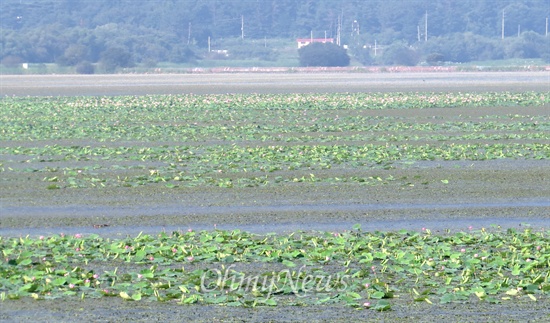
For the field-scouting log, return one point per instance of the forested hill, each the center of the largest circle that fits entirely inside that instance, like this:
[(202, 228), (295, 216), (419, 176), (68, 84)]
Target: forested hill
[(171, 30)]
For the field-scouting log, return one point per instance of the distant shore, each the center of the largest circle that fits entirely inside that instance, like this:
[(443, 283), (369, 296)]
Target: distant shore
[(258, 81)]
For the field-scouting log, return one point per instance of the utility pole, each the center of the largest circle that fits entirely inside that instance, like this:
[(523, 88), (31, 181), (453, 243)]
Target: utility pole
[(426, 28), (311, 37), (502, 27), (355, 28), (209, 44), (338, 30), (418, 32), (189, 34), (242, 27)]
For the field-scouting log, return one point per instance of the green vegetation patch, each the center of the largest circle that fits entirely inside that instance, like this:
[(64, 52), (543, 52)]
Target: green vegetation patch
[(234, 268), (256, 139), (228, 117)]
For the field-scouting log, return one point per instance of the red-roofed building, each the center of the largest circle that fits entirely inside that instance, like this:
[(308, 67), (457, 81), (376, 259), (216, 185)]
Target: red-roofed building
[(306, 41)]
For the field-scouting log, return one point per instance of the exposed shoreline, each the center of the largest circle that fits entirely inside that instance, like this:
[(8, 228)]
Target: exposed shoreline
[(221, 83)]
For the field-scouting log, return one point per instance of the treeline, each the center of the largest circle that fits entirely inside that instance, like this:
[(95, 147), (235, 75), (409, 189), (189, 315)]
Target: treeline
[(125, 32)]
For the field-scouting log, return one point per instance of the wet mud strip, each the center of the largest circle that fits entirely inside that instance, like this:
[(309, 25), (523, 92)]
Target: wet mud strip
[(139, 84)]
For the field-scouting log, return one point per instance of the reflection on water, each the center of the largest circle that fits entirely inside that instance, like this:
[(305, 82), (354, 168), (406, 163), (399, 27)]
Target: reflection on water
[(536, 220)]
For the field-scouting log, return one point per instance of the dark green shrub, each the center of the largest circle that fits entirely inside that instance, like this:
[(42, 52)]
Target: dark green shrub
[(323, 54), (85, 68)]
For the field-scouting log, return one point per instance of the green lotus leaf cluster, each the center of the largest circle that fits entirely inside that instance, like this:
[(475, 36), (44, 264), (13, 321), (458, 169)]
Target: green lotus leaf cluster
[(249, 140), (239, 268)]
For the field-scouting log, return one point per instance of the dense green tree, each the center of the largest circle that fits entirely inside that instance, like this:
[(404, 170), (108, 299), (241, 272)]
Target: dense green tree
[(12, 61), (53, 30), (529, 45), (73, 55), (435, 59), (364, 57), (114, 57), (323, 54), (85, 68), (181, 54), (400, 54), (464, 47), (360, 51)]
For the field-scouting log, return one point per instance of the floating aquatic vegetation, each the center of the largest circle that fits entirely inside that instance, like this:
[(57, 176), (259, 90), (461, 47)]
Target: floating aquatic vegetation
[(236, 268)]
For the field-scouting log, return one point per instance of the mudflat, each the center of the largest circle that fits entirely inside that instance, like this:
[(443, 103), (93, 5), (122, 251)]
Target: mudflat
[(147, 84), (434, 194)]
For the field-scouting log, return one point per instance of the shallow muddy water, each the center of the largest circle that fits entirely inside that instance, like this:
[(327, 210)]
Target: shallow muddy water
[(538, 218)]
